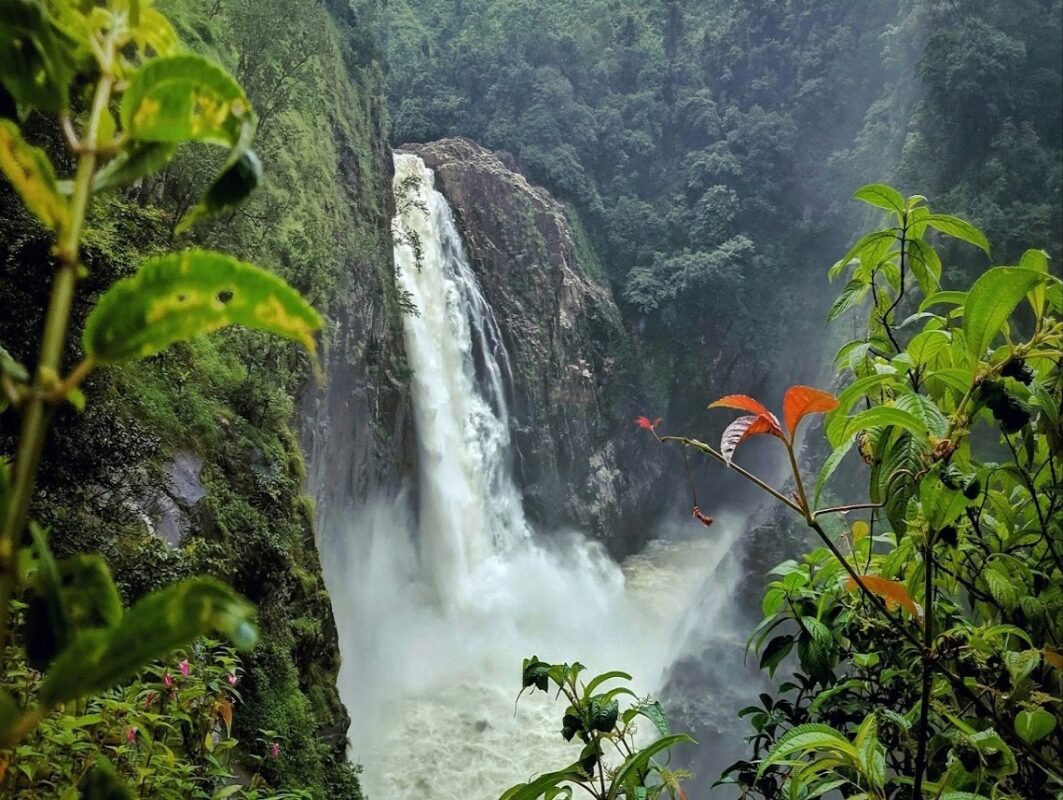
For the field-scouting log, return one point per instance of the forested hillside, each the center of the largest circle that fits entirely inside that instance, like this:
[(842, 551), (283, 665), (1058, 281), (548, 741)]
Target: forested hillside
[(709, 147)]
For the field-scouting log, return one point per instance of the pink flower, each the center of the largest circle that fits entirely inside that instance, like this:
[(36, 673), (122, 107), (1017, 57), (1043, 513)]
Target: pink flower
[(184, 667), (167, 679), (274, 750), (131, 733), (232, 679)]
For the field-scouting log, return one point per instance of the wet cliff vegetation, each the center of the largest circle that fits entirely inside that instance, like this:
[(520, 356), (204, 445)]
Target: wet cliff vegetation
[(189, 462)]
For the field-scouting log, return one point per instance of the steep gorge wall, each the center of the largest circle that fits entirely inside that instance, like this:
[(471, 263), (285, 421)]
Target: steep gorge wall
[(190, 462), (574, 394)]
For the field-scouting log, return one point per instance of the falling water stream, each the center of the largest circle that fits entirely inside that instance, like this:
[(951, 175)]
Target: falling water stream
[(437, 606)]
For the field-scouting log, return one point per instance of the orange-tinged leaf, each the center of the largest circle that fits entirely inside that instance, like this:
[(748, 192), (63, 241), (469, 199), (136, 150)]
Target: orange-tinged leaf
[(743, 403), (802, 400), (225, 711), (744, 428), (1053, 658), (893, 592)]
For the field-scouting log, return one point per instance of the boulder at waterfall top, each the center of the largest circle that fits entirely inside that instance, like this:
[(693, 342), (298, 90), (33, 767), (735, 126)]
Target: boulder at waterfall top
[(564, 334)]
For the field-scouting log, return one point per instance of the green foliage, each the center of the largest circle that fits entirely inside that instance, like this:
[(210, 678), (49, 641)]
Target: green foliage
[(957, 696), (595, 719), (75, 628), (169, 733)]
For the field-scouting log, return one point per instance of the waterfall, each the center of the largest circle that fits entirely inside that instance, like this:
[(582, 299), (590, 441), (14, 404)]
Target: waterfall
[(435, 610)]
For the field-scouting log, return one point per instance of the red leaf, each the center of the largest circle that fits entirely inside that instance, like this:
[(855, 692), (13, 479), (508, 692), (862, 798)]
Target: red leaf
[(743, 403), (742, 429), (701, 516), (802, 400), (644, 422), (894, 592)]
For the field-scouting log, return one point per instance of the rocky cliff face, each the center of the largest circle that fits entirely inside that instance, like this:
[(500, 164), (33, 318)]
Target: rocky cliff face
[(564, 334)]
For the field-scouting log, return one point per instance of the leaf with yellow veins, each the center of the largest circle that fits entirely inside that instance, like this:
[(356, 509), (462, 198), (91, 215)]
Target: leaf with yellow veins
[(181, 98), (32, 175), (176, 296)]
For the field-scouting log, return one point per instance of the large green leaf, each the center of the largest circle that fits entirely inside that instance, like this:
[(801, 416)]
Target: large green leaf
[(804, 739), (871, 240), (1032, 726), (830, 465), (31, 173), (605, 676), (543, 784), (958, 229), (885, 416), (159, 623), (179, 295), (638, 762), (925, 265), (881, 196), (185, 98), (991, 301)]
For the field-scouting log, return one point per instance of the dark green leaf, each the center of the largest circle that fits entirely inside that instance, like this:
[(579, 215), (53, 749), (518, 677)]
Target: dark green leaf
[(136, 160), (103, 783), (34, 65), (154, 627), (230, 188)]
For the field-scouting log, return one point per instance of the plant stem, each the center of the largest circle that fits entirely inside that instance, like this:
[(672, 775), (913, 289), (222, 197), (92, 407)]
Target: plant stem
[(698, 445), (34, 421), (928, 640)]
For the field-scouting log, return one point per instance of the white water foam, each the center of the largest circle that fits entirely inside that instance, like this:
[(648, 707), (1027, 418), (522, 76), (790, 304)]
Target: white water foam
[(436, 610)]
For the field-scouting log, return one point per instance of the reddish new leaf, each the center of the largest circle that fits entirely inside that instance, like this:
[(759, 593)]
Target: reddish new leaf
[(644, 422), (701, 517), (802, 400), (892, 591), (743, 428), (742, 402)]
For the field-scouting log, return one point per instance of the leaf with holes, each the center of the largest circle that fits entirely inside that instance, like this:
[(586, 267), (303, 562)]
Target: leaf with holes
[(803, 400), (179, 295), (185, 98)]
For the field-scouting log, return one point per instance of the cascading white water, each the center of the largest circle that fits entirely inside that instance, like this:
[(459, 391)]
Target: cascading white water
[(434, 617)]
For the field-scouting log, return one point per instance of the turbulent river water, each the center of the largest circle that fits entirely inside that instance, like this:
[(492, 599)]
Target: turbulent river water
[(437, 605)]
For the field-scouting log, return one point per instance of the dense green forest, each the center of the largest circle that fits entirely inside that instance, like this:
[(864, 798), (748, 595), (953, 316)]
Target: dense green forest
[(206, 380), (710, 148)]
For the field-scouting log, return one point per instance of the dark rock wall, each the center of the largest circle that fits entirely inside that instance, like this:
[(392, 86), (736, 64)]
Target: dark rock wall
[(573, 401)]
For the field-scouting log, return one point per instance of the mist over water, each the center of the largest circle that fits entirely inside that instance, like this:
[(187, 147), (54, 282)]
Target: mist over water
[(436, 607)]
